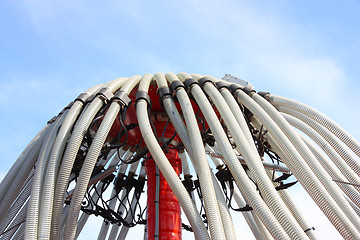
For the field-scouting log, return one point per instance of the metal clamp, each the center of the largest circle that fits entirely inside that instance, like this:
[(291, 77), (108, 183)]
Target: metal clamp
[(83, 97), (189, 83), (105, 94), (176, 84), (122, 97), (222, 84), (143, 95), (234, 87), (204, 80)]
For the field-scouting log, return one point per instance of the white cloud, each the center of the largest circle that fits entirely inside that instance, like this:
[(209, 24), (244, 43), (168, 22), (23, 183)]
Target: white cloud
[(267, 47)]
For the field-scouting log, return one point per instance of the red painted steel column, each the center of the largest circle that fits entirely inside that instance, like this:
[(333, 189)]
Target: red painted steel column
[(170, 225)]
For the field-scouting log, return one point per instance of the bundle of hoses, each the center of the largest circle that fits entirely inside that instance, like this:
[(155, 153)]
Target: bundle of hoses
[(34, 192)]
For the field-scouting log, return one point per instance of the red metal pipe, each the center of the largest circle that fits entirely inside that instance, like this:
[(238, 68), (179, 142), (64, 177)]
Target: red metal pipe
[(169, 208), (170, 225)]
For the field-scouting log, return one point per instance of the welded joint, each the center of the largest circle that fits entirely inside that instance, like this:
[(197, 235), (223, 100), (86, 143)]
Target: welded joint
[(105, 94), (122, 97)]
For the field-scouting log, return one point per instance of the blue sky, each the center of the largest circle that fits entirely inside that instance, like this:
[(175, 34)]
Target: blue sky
[(50, 51)]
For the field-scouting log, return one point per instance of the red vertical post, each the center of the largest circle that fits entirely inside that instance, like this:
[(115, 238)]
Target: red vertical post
[(170, 225)]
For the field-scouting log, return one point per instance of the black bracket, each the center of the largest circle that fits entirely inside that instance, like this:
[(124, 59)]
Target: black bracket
[(283, 186)]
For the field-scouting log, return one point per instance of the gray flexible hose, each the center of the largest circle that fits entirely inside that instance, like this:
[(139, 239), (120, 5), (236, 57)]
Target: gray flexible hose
[(124, 230), (208, 192), (303, 173), (236, 169), (15, 186), (20, 233), (112, 203), (115, 227), (308, 156), (90, 160), (324, 161), (253, 161), (296, 212), (18, 203), (15, 168), (339, 147), (18, 222), (167, 170), (68, 160), (33, 221), (320, 118), (334, 173)]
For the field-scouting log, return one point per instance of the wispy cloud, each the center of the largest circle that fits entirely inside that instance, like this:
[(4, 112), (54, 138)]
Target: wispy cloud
[(86, 43)]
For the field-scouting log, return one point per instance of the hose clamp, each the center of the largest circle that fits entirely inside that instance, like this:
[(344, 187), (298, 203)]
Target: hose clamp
[(144, 96), (91, 98), (234, 87), (204, 80), (105, 94), (164, 92), (83, 97), (248, 90), (68, 106), (52, 120), (122, 97), (176, 84), (222, 84), (189, 84)]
